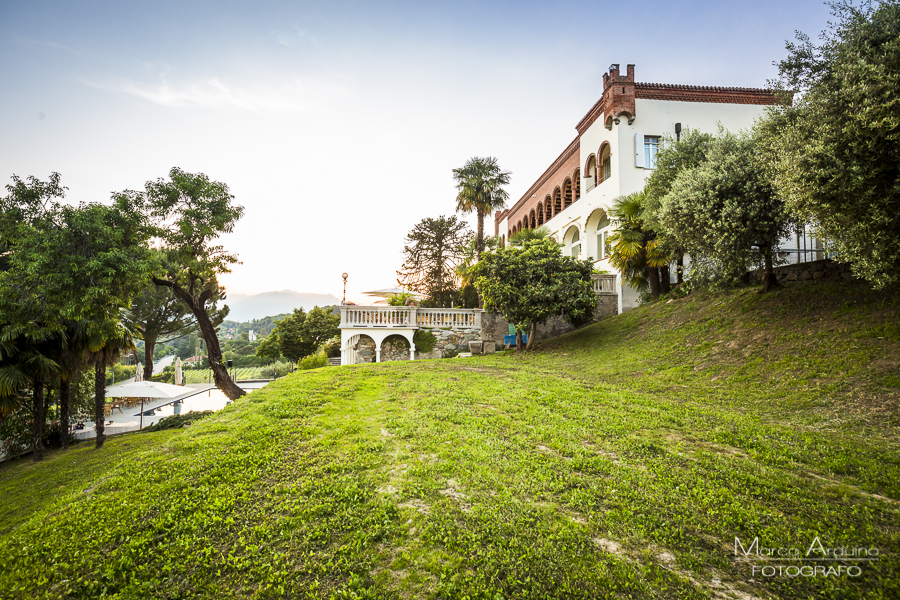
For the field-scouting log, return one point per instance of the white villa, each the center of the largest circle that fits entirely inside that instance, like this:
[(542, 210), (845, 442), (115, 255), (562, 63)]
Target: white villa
[(614, 153)]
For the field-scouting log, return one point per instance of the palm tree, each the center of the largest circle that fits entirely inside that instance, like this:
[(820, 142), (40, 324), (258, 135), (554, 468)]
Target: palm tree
[(635, 250), (105, 350), (479, 184), (519, 238)]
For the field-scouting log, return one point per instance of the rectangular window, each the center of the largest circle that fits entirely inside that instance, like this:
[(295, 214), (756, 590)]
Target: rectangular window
[(651, 148)]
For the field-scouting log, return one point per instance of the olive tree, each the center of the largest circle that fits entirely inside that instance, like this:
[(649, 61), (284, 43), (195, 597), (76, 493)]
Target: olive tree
[(835, 152), (725, 212)]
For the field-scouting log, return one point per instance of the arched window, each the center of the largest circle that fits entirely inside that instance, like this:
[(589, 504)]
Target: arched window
[(577, 178), (604, 230), (605, 163), (533, 219), (540, 214), (548, 207), (567, 194), (590, 173), (557, 202), (573, 241)]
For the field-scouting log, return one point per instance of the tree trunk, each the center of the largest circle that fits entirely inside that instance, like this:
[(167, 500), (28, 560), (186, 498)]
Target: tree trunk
[(38, 430), (531, 336), (100, 403), (149, 346), (679, 270), (769, 279), (653, 278), (518, 339), (665, 285), (479, 241), (65, 396), (213, 350)]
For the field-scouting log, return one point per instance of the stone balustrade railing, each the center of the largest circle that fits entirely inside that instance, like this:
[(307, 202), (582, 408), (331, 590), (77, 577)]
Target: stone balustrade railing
[(604, 284), (409, 317)]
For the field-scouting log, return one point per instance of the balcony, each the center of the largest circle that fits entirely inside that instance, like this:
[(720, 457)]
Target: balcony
[(408, 317)]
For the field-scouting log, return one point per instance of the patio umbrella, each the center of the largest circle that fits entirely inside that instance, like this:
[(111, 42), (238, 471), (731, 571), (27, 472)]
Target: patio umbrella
[(145, 389), (388, 292), (179, 378)]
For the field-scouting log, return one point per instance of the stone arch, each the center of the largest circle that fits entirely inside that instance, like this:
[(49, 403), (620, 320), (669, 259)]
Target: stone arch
[(360, 348), (557, 202), (567, 193), (395, 347)]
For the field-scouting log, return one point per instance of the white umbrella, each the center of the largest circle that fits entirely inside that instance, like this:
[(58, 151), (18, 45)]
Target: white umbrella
[(179, 379), (388, 292), (145, 389)]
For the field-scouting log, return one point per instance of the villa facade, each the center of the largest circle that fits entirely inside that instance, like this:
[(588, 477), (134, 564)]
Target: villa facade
[(614, 153)]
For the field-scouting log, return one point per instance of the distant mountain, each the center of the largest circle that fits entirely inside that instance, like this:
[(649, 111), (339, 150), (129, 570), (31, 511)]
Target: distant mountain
[(245, 307)]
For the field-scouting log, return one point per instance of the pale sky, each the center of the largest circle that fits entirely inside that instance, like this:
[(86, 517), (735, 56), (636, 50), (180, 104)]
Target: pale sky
[(337, 124)]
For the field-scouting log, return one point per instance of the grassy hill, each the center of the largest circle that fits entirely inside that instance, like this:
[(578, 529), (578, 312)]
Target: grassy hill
[(621, 460)]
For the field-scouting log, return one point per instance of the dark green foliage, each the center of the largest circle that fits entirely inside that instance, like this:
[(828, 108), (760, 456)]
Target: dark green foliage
[(424, 340), (835, 153), (533, 282), (724, 212), (178, 421)]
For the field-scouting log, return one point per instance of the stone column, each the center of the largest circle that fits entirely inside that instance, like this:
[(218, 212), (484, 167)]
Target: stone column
[(412, 351), (377, 354)]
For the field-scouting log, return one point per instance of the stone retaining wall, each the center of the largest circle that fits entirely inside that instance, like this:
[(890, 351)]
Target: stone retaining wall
[(494, 327), (809, 271)]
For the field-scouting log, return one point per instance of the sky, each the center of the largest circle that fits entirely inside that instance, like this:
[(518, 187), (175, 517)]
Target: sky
[(337, 125)]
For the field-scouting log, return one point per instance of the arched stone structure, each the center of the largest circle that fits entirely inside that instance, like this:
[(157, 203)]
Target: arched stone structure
[(395, 347), (355, 347)]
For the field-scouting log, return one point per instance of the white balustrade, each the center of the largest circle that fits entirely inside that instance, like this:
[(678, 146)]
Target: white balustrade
[(604, 283), (409, 317)]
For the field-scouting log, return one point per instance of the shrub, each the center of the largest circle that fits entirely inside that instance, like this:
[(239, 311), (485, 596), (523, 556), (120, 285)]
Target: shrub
[(332, 348), (424, 340), (313, 362), (178, 421)]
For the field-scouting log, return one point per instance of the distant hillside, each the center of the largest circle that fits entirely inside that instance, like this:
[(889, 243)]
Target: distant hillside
[(245, 307)]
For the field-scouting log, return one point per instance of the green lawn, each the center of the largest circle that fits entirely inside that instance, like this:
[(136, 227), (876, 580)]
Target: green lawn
[(619, 461)]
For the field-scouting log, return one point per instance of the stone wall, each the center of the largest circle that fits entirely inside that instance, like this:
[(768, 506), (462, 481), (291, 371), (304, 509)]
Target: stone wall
[(450, 341), (395, 347), (809, 271), (365, 350), (494, 327)]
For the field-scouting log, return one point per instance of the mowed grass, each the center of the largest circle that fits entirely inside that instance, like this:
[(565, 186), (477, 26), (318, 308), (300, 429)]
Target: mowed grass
[(619, 461)]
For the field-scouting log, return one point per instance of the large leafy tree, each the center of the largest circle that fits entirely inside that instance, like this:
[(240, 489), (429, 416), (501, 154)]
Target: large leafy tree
[(835, 152), (433, 250), (530, 283), (726, 213), (194, 211), (675, 157), (479, 185), (67, 273), (300, 334), (157, 314)]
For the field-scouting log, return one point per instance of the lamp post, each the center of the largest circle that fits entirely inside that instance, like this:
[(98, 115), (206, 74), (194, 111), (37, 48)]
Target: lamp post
[(344, 301)]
